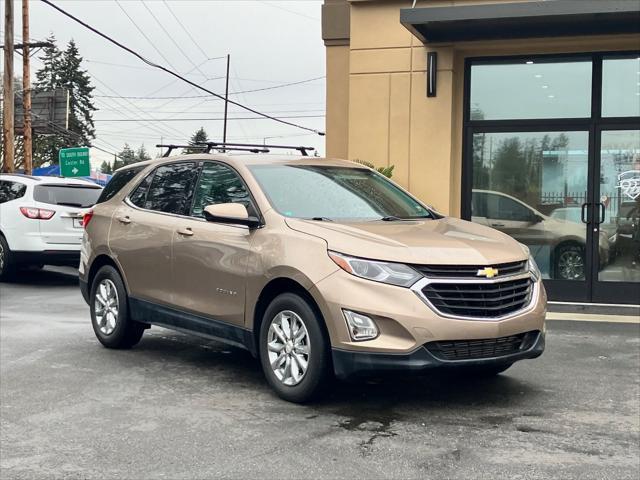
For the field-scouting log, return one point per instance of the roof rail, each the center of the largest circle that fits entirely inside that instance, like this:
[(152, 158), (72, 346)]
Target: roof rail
[(225, 146), (206, 148)]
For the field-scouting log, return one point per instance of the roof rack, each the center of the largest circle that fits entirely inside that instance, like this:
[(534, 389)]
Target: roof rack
[(206, 148), (225, 146), (243, 147)]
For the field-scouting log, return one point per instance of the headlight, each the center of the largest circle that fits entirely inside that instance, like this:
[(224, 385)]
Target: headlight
[(533, 268), (385, 272)]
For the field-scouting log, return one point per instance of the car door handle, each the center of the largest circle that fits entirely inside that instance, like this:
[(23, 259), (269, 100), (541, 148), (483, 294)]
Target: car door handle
[(187, 232), (497, 224), (126, 220)]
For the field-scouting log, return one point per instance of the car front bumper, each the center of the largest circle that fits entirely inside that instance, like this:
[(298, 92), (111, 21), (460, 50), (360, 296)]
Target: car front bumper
[(406, 323), (350, 364)]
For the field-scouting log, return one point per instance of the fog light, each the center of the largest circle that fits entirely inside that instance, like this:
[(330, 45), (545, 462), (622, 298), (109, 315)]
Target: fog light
[(360, 326)]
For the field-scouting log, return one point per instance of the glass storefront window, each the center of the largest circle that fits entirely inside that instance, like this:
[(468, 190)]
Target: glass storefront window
[(528, 89), (531, 185), (621, 87), (619, 236)]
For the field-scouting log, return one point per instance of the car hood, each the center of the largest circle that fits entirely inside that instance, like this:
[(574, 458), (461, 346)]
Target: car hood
[(442, 241)]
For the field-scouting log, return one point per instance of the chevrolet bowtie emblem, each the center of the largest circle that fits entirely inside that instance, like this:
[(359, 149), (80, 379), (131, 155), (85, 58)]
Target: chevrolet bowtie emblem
[(488, 272)]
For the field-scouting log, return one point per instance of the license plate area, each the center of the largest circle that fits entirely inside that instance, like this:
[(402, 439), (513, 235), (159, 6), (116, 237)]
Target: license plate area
[(77, 222)]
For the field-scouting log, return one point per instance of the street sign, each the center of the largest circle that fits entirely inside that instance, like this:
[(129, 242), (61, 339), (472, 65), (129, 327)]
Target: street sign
[(74, 162), (49, 112)]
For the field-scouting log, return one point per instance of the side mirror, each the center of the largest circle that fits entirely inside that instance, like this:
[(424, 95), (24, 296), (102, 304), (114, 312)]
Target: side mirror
[(232, 213), (535, 218)]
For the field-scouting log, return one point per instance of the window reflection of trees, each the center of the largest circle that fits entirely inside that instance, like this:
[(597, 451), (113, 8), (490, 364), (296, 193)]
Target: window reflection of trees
[(170, 188)]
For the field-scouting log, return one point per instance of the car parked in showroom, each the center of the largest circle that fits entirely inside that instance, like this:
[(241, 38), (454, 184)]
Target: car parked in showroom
[(41, 220), (318, 267)]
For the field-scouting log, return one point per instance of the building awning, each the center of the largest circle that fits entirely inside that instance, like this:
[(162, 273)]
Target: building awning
[(551, 18)]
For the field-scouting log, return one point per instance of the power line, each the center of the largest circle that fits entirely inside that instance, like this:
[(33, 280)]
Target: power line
[(173, 73), (230, 93), (134, 24), (184, 28), (262, 117), (290, 11), (153, 15)]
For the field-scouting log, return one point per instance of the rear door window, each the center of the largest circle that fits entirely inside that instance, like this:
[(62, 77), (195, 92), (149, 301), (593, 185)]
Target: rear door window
[(118, 182), (11, 190), (171, 188), (71, 195)]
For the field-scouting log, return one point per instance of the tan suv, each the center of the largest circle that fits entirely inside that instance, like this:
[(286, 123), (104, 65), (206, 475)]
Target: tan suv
[(318, 267)]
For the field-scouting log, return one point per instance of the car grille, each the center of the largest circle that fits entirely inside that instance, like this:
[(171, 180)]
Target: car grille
[(469, 271), (483, 348), (479, 300)]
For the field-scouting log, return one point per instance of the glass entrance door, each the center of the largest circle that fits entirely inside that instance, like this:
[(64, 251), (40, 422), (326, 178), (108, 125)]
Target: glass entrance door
[(552, 158), (616, 223)]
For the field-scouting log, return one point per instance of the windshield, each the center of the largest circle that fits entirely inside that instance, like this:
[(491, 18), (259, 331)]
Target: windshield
[(330, 193), (70, 195)]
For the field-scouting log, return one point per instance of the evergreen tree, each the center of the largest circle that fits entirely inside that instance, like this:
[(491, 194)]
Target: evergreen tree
[(64, 70), (106, 167), (200, 136), (126, 157), (142, 155)]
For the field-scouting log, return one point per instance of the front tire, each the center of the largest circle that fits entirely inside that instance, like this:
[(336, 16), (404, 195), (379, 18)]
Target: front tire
[(109, 308), (294, 349)]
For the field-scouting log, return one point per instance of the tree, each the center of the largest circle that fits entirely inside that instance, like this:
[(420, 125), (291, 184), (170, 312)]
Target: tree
[(142, 155), (126, 157), (200, 136), (106, 167), (64, 70)]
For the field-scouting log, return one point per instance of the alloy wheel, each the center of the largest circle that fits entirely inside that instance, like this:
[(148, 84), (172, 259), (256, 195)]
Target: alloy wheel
[(288, 347), (571, 265), (106, 306)]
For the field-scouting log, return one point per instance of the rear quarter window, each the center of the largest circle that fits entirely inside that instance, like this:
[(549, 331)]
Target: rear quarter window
[(118, 182), (11, 190), (71, 195)]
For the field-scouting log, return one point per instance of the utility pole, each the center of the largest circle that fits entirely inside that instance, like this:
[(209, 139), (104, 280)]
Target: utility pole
[(7, 90), (226, 103), (26, 91)]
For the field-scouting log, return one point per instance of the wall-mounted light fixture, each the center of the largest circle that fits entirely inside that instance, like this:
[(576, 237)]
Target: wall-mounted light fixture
[(432, 72)]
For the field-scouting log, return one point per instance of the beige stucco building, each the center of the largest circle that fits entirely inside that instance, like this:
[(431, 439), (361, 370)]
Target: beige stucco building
[(378, 108)]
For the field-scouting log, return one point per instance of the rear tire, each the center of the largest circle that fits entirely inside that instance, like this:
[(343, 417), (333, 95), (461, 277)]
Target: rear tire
[(7, 267), (109, 308), (569, 262), (294, 349)]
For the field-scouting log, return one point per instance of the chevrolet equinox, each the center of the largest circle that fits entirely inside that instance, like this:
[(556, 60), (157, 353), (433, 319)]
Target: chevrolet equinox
[(318, 267)]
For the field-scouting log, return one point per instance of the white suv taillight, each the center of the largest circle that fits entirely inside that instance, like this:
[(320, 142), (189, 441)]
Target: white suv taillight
[(37, 213)]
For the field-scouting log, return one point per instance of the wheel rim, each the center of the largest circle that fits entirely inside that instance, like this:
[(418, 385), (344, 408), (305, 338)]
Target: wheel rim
[(106, 306), (288, 347), (571, 266)]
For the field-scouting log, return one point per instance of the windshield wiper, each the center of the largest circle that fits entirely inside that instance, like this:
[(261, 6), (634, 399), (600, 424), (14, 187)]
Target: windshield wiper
[(69, 204), (321, 219), (393, 218)]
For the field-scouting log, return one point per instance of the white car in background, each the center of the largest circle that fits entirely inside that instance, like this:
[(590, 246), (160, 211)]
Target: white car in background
[(41, 220)]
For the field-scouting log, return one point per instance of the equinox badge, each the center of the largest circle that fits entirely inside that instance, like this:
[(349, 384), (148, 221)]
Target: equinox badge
[(488, 272)]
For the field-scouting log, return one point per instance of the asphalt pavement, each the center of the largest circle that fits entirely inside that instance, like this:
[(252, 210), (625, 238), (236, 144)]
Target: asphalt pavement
[(178, 406)]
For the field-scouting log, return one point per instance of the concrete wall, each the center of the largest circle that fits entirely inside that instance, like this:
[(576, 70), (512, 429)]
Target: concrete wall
[(377, 108)]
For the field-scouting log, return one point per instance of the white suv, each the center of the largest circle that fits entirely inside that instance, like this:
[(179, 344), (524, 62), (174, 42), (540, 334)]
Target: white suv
[(41, 220)]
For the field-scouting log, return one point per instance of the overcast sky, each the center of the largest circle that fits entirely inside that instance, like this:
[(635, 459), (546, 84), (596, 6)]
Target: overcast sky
[(270, 43)]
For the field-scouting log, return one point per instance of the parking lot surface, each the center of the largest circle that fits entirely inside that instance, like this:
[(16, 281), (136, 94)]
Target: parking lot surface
[(178, 406)]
